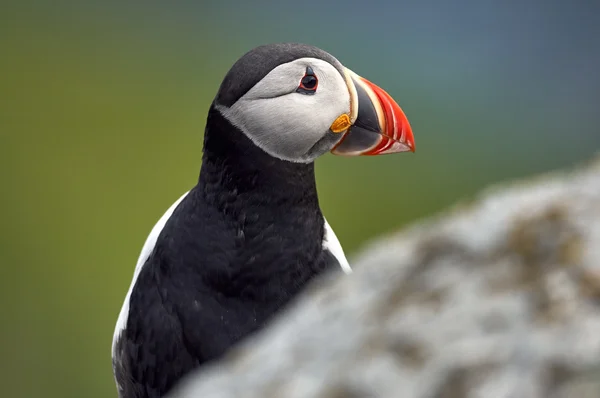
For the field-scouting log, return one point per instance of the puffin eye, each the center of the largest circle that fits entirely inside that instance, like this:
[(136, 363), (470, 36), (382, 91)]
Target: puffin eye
[(309, 83)]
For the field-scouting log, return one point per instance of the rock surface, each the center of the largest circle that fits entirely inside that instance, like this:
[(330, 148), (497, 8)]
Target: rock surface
[(497, 298)]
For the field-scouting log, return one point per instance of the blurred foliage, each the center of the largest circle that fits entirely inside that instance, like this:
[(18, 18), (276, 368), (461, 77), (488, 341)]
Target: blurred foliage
[(102, 111)]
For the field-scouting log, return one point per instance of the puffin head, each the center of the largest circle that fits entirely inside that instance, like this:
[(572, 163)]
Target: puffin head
[(297, 102)]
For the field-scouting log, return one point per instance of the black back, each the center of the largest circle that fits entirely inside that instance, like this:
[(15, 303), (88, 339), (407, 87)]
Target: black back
[(242, 243)]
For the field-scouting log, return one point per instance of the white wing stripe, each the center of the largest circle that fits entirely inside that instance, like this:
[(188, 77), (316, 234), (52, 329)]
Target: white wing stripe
[(331, 243), (146, 251)]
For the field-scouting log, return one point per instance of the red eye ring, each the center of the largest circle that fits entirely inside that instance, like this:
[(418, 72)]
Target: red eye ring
[(309, 82)]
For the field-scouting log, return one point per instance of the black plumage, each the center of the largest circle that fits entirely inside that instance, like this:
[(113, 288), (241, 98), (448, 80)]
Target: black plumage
[(240, 245)]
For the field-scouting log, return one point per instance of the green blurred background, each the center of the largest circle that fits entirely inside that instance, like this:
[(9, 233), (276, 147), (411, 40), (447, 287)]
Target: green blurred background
[(103, 105)]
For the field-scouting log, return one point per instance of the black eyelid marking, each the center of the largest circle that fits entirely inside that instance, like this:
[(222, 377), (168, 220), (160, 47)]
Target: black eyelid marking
[(309, 71), (272, 97), (304, 91)]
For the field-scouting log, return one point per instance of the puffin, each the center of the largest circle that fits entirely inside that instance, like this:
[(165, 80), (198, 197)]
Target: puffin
[(242, 243)]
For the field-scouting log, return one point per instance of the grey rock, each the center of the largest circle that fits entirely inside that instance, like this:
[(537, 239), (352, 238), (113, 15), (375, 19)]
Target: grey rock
[(498, 298)]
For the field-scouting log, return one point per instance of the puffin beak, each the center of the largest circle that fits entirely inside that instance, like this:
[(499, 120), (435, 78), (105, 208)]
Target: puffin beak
[(376, 124)]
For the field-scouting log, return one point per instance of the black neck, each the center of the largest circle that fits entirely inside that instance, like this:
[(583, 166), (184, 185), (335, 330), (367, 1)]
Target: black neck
[(259, 206), (235, 251), (233, 162)]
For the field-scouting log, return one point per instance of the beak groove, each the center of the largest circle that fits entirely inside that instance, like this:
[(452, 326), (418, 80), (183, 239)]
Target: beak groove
[(380, 126)]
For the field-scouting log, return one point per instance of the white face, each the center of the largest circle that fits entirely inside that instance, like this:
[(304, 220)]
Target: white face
[(288, 124)]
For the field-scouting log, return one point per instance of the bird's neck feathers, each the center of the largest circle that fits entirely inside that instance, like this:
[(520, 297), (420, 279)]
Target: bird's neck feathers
[(234, 163)]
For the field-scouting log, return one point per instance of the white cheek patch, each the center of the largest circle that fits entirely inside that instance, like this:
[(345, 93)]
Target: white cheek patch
[(287, 124)]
